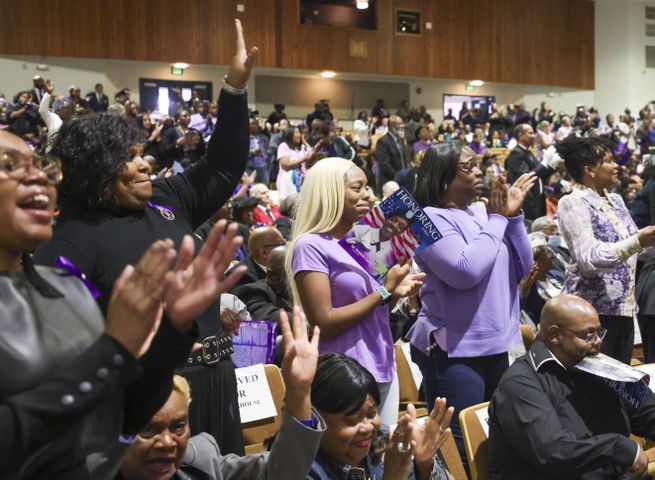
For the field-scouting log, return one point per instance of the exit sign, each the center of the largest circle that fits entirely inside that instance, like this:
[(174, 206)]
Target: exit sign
[(469, 87), (177, 71)]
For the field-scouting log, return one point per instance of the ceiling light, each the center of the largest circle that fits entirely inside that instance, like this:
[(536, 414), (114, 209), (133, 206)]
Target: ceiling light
[(362, 4), (328, 74), (181, 65), (476, 83)]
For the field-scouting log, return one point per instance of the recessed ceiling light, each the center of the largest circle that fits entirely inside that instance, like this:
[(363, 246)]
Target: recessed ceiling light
[(328, 74), (476, 83), (181, 65), (362, 4)]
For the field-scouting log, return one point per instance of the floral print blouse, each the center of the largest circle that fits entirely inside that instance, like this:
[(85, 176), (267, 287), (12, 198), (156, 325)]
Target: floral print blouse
[(603, 241)]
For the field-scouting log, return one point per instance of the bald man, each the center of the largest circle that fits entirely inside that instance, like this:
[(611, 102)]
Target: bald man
[(260, 243), (264, 298), (548, 421), (265, 213)]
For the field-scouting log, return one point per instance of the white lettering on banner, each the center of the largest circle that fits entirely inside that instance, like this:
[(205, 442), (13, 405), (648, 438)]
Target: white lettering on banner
[(254, 394)]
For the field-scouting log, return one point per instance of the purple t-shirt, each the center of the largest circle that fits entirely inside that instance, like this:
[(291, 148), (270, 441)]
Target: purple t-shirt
[(370, 341)]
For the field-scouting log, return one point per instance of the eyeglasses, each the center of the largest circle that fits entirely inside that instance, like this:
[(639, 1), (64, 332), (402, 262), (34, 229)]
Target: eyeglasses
[(467, 167), (16, 166), (590, 336)]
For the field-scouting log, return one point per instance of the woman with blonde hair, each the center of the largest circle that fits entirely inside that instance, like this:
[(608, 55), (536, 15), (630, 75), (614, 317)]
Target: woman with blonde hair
[(336, 293)]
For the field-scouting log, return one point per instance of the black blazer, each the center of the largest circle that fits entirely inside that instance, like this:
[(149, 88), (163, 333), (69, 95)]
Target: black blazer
[(95, 105), (521, 161), (390, 159), (262, 302), (253, 273)]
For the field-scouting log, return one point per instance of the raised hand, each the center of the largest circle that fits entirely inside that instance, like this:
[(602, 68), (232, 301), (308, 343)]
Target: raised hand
[(400, 282), (135, 305), (299, 362), (527, 282), (498, 198), (48, 85), (242, 61), (195, 283), (399, 449), (518, 191), (430, 436)]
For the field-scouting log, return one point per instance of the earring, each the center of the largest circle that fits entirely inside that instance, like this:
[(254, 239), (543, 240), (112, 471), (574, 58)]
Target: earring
[(445, 187)]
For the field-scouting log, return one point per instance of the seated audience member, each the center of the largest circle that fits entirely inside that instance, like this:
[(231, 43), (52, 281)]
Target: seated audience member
[(547, 420), (243, 211), (287, 215), (356, 442), (200, 120), (24, 117), (260, 244), (266, 212), (266, 297), (543, 282), (550, 229), (160, 450)]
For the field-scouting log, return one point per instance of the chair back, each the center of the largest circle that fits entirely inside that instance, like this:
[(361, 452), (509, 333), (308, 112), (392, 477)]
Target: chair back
[(254, 433), (475, 441), (528, 336), (407, 386), (452, 459)]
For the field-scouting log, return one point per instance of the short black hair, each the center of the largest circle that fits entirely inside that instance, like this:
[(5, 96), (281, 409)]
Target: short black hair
[(438, 168), (93, 151), (579, 153), (341, 385)]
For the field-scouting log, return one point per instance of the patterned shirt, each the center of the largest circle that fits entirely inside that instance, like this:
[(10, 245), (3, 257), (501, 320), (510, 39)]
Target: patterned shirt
[(603, 241)]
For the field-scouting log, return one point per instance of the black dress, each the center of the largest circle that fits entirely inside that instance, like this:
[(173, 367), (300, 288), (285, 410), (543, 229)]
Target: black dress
[(102, 242)]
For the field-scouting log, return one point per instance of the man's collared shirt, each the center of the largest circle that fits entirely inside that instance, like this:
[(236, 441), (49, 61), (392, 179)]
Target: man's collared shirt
[(547, 422)]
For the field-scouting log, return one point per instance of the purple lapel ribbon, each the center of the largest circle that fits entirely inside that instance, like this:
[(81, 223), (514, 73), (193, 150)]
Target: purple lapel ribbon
[(160, 207), (66, 264)]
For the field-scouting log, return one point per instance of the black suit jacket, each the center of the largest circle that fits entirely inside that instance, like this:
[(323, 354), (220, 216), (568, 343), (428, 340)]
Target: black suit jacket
[(262, 302), (253, 273), (390, 159), (95, 105), (521, 161)]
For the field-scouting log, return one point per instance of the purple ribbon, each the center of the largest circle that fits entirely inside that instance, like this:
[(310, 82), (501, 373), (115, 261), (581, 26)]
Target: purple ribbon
[(66, 264), (160, 207)]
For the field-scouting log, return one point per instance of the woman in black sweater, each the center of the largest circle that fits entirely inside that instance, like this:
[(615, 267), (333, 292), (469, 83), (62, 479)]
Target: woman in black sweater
[(111, 212)]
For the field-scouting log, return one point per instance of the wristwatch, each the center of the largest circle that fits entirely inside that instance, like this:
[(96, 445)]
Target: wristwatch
[(385, 294)]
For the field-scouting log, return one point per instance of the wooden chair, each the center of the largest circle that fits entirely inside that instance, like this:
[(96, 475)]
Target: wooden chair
[(452, 459), (528, 336), (475, 442), (408, 390), (255, 433)]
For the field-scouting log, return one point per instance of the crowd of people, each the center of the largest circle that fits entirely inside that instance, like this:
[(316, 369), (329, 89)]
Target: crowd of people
[(117, 336)]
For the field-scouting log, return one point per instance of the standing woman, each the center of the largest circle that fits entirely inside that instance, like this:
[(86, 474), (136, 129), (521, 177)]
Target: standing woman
[(111, 212), (72, 382), (470, 313), (292, 153), (336, 293), (603, 240)]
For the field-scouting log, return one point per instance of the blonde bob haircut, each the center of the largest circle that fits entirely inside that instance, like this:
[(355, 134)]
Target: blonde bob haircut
[(320, 206), (182, 386)]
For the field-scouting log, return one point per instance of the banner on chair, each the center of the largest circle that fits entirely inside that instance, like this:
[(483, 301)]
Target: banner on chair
[(255, 343), (255, 399)]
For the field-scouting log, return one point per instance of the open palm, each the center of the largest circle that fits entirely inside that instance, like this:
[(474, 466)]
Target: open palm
[(195, 283)]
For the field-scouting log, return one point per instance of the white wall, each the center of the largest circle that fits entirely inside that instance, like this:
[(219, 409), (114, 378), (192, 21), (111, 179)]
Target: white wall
[(622, 79)]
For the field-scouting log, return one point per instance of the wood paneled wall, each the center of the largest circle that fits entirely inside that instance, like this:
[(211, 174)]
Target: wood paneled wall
[(545, 42)]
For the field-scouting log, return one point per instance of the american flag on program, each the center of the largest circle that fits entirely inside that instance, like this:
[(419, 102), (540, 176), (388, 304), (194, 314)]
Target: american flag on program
[(404, 244)]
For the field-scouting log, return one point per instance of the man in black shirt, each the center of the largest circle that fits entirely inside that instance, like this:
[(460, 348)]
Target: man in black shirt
[(547, 420)]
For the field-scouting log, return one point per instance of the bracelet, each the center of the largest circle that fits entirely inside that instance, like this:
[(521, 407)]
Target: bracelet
[(232, 90)]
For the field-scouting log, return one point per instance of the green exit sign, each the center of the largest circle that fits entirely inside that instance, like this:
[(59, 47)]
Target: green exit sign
[(177, 71), (469, 87)]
